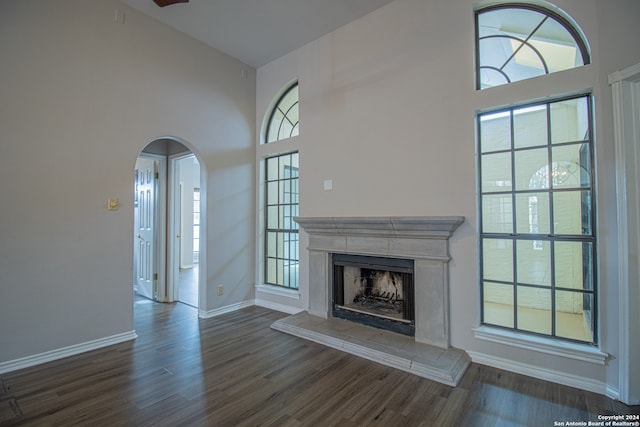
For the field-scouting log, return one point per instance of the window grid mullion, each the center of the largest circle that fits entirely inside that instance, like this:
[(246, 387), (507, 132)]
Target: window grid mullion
[(284, 258), (551, 237), (273, 120), (514, 216), (479, 191), (552, 244), (525, 42), (489, 64), (592, 197)]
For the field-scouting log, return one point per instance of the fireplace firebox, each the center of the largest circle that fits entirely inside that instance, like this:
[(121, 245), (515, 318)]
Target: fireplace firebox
[(376, 291)]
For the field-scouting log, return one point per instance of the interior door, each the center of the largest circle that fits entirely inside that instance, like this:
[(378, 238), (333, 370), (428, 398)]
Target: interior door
[(144, 229)]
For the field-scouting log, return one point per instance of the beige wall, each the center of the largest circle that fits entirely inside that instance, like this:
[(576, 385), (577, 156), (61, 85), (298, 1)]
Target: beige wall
[(81, 95), (387, 107)]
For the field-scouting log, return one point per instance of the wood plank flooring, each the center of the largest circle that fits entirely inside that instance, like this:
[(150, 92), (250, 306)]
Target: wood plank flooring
[(233, 370)]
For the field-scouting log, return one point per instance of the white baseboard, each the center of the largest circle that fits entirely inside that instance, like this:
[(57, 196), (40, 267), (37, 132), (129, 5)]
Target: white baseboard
[(277, 307), (238, 306), (226, 309), (293, 294), (563, 378), (614, 393), (61, 353)]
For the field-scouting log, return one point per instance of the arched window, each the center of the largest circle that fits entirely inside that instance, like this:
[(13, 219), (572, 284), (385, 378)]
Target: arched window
[(519, 41), (281, 170), (283, 121)]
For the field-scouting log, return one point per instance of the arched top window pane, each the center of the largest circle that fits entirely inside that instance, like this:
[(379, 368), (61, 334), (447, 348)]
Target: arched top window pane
[(283, 122), (518, 41)]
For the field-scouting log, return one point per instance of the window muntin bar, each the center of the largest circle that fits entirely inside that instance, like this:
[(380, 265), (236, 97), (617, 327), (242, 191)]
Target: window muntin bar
[(284, 120), (537, 219), (518, 41), (281, 234)]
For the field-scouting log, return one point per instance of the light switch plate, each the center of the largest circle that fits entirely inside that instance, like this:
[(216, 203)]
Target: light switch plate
[(113, 204)]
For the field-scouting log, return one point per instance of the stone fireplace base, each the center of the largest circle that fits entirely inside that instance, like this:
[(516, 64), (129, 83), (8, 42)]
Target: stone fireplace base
[(398, 351), (425, 241)]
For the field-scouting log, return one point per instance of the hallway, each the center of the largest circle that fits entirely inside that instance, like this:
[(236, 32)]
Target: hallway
[(188, 285)]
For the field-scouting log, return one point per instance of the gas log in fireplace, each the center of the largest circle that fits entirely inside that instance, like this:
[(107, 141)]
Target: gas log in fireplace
[(376, 291)]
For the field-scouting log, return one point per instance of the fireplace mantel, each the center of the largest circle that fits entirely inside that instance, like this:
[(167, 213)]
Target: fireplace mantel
[(433, 227), (422, 239)]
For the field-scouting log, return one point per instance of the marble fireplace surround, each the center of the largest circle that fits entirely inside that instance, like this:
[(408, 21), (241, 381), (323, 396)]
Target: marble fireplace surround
[(425, 240)]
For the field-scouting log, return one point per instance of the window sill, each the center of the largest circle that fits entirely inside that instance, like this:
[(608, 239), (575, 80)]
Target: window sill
[(569, 350), (279, 291)]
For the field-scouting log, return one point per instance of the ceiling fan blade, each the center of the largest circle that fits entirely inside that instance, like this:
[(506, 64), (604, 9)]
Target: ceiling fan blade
[(163, 3)]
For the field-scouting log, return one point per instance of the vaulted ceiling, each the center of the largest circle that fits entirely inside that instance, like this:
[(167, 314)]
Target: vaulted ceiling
[(257, 31)]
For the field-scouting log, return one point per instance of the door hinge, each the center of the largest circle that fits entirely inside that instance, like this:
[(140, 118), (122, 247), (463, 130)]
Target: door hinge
[(155, 276), (157, 175)]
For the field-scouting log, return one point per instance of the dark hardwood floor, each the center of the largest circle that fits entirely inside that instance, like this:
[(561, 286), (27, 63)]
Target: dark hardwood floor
[(233, 370)]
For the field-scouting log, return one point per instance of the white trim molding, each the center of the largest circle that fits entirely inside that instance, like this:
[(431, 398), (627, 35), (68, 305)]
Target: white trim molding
[(279, 291), (625, 87), (632, 74), (293, 295), (206, 314), (61, 353), (278, 307), (585, 353), (551, 375), (248, 303)]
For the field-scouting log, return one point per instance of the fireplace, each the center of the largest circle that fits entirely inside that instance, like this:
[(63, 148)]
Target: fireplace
[(389, 271), (423, 240), (375, 291)]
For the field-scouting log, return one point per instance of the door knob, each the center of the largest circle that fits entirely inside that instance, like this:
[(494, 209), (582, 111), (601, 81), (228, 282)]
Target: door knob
[(139, 236)]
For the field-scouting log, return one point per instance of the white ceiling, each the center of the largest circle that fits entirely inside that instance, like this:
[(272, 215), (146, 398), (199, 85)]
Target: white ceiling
[(257, 31)]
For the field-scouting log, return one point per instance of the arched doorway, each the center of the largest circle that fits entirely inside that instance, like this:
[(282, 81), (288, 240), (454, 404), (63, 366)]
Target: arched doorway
[(168, 223)]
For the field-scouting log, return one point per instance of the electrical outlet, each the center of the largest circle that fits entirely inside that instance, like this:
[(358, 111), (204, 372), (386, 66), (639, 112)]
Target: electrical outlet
[(220, 289)]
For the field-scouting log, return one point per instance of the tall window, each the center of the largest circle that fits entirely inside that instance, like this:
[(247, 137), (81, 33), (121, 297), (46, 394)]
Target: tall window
[(281, 243), (281, 193), (283, 122), (196, 225), (520, 41), (537, 219)]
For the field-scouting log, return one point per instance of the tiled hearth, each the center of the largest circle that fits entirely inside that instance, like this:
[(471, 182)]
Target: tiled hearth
[(425, 240)]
